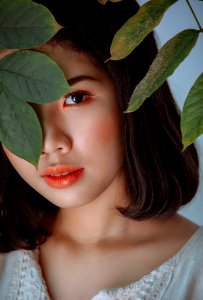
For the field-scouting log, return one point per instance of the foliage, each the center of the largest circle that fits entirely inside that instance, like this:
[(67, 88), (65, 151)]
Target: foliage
[(193, 112), (166, 61), (138, 27), (26, 75), (132, 33)]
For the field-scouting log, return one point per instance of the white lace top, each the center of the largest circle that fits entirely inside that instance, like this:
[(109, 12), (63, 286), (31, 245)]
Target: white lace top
[(179, 278)]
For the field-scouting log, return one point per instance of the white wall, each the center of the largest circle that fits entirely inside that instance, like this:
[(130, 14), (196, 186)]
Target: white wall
[(177, 18)]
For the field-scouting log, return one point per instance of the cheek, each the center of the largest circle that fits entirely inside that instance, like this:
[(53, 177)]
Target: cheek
[(107, 131), (24, 168), (14, 160), (102, 134), (108, 127)]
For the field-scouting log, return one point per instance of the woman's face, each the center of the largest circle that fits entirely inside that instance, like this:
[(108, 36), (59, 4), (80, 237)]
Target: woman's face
[(82, 150)]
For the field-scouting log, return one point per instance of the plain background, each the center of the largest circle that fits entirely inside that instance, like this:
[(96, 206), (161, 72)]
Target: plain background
[(177, 18)]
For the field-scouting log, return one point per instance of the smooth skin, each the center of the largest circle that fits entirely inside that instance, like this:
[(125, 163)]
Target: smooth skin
[(92, 246)]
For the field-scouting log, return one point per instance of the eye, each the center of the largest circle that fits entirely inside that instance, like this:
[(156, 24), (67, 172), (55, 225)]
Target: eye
[(75, 98)]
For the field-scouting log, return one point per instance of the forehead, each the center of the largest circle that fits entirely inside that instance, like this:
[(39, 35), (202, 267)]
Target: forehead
[(73, 62)]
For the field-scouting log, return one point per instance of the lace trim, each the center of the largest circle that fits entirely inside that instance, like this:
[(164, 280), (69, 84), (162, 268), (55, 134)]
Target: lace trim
[(150, 287), (26, 281)]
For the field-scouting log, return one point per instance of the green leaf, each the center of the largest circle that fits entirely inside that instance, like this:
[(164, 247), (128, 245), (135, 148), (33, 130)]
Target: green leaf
[(192, 114), (33, 76), (20, 129), (166, 61), (25, 24), (132, 33)]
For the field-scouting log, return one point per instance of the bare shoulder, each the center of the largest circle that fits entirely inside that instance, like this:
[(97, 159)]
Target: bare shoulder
[(167, 237), (176, 231), (184, 227), (172, 236)]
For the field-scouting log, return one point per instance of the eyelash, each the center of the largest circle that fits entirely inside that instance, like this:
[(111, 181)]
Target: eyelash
[(83, 94)]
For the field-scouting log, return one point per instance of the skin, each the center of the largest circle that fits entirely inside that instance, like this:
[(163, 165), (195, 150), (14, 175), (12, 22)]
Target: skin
[(92, 246), (85, 135)]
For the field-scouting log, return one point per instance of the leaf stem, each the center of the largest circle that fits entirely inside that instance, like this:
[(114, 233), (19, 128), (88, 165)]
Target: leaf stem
[(194, 15)]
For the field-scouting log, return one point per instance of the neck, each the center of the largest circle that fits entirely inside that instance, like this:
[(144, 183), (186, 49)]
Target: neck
[(94, 222), (90, 224), (89, 227), (99, 222)]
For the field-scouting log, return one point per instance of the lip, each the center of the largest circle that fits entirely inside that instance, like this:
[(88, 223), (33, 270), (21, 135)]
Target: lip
[(62, 176)]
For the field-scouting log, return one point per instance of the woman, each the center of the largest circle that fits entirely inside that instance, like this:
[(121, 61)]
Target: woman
[(98, 218)]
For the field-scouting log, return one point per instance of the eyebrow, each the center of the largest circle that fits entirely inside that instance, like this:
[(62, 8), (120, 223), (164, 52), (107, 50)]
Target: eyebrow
[(74, 80)]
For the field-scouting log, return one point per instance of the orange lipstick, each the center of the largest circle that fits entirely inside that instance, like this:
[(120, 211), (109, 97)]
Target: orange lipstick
[(60, 177)]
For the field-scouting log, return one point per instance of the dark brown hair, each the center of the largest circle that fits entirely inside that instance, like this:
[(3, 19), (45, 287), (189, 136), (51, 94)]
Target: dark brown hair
[(160, 177)]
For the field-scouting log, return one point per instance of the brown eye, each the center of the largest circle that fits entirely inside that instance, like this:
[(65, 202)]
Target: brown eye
[(75, 98)]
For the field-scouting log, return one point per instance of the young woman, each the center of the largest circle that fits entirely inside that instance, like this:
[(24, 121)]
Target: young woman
[(98, 218)]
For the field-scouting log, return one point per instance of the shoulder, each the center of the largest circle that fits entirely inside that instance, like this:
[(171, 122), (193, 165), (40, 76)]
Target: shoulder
[(187, 277), (15, 267), (12, 262), (6, 271), (17, 258), (8, 261), (193, 246), (191, 254), (2, 263)]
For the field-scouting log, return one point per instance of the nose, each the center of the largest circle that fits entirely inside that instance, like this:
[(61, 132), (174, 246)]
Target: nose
[(56, 136), (55, 141)]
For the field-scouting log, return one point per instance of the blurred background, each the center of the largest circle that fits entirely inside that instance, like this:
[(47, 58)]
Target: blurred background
[(177, 18)]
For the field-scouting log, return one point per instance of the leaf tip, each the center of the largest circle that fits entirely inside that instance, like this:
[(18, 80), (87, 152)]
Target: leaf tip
[(59, 26), (131, 108), (35, 164), (127, 111), (186, 144)]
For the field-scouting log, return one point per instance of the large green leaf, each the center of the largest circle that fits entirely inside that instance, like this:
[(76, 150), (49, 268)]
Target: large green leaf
[(20, 130), (166, 61), (25, 24), (33, 76), (132, 33), (192, 114)]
